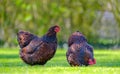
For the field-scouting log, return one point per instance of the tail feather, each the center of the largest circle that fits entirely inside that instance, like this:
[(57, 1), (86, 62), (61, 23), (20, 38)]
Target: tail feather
[(24, 38)]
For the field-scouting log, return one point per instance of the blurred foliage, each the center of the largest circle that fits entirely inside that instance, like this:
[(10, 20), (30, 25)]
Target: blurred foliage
[(72, 15)]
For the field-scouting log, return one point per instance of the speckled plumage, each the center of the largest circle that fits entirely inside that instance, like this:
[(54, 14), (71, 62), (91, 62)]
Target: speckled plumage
[(35, 50), (79, 51)]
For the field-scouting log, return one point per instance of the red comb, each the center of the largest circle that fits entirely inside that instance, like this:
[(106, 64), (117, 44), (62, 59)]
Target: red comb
[(91, 62), (57, 29)]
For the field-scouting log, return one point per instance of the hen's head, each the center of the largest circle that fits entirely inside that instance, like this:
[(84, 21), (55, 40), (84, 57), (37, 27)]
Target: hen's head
[(53, 30), (24, 38), (91, 61)]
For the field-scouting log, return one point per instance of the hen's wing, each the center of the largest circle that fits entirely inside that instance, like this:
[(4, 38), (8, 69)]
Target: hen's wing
[(74, 54), (27, 52), (78, 54), (38, 52), (32, 46), (87, 53), (89, 48)]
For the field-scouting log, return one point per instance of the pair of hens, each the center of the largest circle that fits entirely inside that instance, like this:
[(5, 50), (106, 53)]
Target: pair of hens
[(37, 51)]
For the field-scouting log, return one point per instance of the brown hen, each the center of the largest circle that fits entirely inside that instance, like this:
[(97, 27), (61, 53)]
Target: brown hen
[(79, 52), (35, 50)]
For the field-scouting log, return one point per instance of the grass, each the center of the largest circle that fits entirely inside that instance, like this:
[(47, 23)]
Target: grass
[(108, 62)]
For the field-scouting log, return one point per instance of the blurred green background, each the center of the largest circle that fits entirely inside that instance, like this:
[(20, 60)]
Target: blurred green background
[(98, 20)]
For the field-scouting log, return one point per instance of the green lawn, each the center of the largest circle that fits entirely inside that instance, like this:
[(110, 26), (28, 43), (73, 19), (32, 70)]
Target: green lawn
[(108, 62)]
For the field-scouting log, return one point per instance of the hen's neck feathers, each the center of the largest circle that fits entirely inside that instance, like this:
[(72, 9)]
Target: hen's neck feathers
[(49, 38)]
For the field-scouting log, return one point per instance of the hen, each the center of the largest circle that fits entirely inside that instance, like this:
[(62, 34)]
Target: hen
[(79, 52), (35, 50)]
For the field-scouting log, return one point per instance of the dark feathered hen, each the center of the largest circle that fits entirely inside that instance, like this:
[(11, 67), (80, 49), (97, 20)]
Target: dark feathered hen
[(79, 52), (35, 50)]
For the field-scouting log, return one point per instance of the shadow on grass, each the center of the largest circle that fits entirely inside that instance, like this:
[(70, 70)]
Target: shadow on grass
[(8, 56), (58, 64), (12, 64)]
